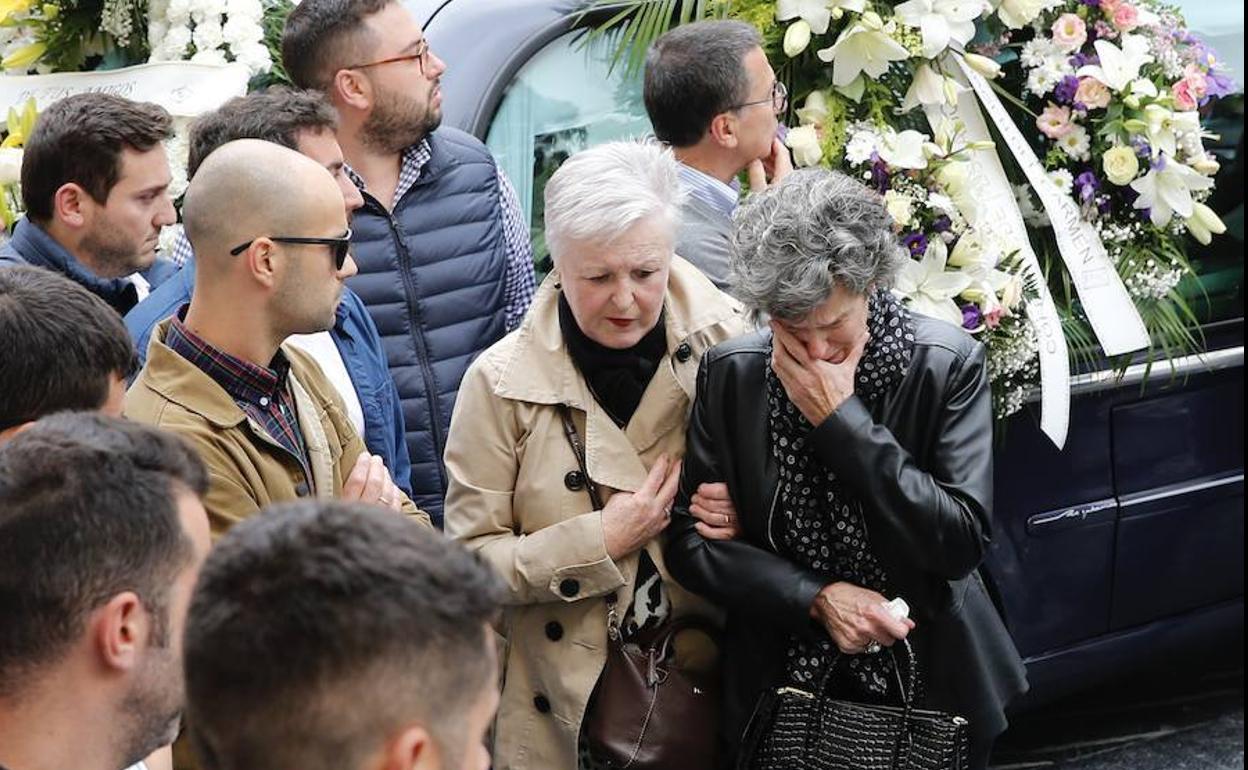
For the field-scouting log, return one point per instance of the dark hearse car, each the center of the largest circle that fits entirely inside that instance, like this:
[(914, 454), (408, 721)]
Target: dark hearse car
[(1125, 547)]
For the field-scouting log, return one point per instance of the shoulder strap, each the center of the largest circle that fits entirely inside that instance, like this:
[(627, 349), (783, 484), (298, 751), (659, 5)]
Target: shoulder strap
[(578, 449)]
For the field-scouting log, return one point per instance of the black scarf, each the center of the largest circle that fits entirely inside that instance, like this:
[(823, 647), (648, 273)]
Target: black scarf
[(821, 522), (617, 377)]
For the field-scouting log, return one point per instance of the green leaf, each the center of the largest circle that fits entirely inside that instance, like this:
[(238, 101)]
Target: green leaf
[(642, 22)]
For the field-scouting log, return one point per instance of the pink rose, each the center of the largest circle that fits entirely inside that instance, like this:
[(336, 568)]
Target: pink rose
[(1197, 81), (1069, 32), (1054, 122), (1092, 94), (992, 319), (1183, 98), (1126, 18), (1109, 6)]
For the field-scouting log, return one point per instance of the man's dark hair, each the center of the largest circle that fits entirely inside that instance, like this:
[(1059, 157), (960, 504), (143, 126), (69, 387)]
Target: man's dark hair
[(88, 510), (324, 36), (61, 345), (318, 629), (80, 139), (693, 73), (277, 115)]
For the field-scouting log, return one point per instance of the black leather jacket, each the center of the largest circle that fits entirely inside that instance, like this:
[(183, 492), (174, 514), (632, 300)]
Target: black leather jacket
[(921, 464)]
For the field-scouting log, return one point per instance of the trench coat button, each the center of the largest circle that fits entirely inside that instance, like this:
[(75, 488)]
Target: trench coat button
[(574, 480), (569, 587), (554, 631), (301, 489), (684, 352), (541, 703)]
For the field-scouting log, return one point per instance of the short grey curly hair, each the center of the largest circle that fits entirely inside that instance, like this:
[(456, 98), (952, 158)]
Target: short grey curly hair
[(794, 242)]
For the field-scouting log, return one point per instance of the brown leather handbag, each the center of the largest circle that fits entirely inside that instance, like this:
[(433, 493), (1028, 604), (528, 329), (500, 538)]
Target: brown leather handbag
[(647, 712)]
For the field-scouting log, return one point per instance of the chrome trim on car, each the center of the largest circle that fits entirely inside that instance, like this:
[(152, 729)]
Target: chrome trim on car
[(1108, 379), (1071, 516), (1185, 489)]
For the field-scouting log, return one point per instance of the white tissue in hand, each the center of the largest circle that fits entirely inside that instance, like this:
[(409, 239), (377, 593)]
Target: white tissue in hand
[(898, 608)]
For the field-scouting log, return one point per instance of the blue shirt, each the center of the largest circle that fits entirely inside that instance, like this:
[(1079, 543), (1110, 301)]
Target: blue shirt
[(357, 341)]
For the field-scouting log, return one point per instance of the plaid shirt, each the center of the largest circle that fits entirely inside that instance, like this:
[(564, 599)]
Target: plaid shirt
[(519, 286), (261, 392)]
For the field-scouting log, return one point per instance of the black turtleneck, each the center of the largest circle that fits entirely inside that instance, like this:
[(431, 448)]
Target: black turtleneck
[(617, 377)]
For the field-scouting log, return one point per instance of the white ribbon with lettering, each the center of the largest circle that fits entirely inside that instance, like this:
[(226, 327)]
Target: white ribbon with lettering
[(185, 89), (988, 203), (1110, 311)]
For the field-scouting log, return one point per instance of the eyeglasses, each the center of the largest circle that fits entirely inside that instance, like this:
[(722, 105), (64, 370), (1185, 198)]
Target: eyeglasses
[(339, 246), (422, 48), (779, 99)]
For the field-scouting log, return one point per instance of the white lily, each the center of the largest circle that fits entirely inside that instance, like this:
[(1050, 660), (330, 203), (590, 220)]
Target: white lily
[(804, 142), (929, 287), (904, 149), (1119, 66), (940, 22), (1167, 189), (1019, 13), (863, 47), (1204, 223), (814, 110), (1138, 89), (816, 13), (796, 38), (854, 90), (927, 89), (1163, 127)]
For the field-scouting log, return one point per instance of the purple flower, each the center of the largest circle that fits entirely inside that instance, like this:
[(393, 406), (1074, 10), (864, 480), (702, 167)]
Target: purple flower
[(1087, 185), (879, 174), (942, 224), (1091, 3), (971, 317), (1159, 163), (1218, 84), (1065, 91), (1080, 60), (916, 242), (1142, 150)]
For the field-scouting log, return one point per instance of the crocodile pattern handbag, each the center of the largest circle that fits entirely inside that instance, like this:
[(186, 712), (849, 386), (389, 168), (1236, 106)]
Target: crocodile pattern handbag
[(795, 729)]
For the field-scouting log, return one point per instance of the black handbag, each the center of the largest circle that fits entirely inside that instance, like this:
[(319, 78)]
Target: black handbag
[(647, 713), (795, 729)]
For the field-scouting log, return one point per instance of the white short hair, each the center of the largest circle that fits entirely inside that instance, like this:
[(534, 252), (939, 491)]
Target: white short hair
[(599, 193)]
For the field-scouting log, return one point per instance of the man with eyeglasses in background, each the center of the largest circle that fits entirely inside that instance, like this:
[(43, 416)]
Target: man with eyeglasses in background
[(270, 236), (713, 97), (445, 264)]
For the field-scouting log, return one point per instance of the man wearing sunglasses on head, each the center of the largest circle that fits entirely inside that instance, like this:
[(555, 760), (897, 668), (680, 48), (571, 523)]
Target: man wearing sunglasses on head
[(271, 244), (713, 97)]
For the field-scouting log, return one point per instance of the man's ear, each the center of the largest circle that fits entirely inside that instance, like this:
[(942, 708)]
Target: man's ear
[(261, 258), (351, 88), (120, 630), (411, 748), (71, 204), (723, 131)]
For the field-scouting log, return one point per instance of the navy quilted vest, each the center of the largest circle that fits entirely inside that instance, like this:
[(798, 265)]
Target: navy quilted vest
[(431, 274)]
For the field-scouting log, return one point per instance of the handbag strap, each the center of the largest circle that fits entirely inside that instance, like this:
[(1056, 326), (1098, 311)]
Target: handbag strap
[(578, 449)]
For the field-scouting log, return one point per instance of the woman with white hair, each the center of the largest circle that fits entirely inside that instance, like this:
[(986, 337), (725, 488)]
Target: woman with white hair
[(606, 357), (856, 442)]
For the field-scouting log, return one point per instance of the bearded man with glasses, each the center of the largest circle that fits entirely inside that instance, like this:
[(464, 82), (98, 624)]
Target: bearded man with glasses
[(714, 99), (271, 244), (445, 264)]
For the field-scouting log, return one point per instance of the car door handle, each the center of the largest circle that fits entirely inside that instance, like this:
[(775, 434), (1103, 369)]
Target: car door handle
[(1069, 518)]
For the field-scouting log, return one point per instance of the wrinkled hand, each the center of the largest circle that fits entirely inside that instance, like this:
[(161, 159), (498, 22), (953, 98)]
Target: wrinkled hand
[(817, 388), (770, 171), (370, 482), (855, 617), (632, 519), (717, 518)]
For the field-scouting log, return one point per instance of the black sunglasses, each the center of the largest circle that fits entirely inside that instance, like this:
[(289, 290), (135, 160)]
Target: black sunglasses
[(340, 245)]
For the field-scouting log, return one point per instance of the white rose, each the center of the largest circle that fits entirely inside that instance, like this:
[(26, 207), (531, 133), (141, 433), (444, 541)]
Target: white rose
[(207, 36), (10, 165), (238, 31), (178, 12), (255, 56), (804, 143), (249, 10), (176, 41), (1120, 165), (212, 56), (900, 207)]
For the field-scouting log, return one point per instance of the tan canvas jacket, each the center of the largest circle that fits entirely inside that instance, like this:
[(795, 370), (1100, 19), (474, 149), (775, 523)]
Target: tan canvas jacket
[(248, 469)]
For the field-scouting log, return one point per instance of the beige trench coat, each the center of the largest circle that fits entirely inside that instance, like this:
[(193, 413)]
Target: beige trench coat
[(507, 459)]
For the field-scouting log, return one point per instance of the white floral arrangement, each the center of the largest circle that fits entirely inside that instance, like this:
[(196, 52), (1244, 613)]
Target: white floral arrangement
[(210, 31)]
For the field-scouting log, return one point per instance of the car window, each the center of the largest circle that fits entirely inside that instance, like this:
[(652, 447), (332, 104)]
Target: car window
[(564, 99)]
